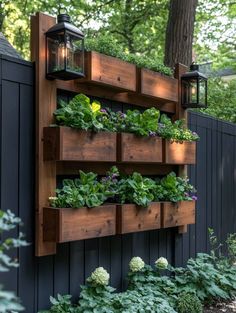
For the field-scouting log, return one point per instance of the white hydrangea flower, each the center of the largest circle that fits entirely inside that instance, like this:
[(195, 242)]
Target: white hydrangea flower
[(136, 264), (100, 276), (161, 263)]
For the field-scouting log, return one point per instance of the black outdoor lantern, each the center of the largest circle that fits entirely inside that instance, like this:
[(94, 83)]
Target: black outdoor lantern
[(64, 50), (194, 88)]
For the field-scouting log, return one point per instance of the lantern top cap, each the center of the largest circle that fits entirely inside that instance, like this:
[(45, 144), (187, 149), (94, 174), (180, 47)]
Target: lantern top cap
[(64, 24), (63, 18), (194, 72)]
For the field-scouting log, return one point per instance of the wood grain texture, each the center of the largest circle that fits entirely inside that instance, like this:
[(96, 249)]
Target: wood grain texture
[(68, 144), (133, 148), (177, 214), (109, 71), (179, 152), (68, 224), (133, 218), (157, 85), (45, 100)]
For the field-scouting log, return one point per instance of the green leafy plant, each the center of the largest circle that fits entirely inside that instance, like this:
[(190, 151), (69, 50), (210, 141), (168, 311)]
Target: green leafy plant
[(142, 124), (105, 45), (79, 113), (84, 191), (8, 221), (210, 276), (189, 302), (174, 189), (82, 113), (90, 191), (175, 131), (136, 189), (61, 304)]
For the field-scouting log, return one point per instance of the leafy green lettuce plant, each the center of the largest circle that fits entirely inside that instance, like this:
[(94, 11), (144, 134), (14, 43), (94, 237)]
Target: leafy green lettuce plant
[(136, 189), (79, 113), (174, 189), (82, 113), (143, 124), (90, 191), (83, 191)]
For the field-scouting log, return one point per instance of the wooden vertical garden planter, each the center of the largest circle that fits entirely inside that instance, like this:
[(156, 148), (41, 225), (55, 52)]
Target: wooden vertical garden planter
[(133, 148), (110, 78), (177, 214), (68, 224), (109, 71), (133, 218), (179, 152), (157, 85), (68, 144)]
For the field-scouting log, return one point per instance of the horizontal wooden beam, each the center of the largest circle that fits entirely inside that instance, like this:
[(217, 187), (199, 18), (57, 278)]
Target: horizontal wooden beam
[(73, 167), (116, 95)]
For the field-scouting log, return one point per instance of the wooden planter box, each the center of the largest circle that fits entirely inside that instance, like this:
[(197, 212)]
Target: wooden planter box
[(67, 224), (133, 148), (157, 85), (109, 71), (132, 218), (177, 214), (68, 144), (179, 152)]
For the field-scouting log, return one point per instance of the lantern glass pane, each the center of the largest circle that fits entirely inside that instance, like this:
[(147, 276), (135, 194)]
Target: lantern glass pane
[(193, 92), (74, 54), (202, 92), (56, 53)]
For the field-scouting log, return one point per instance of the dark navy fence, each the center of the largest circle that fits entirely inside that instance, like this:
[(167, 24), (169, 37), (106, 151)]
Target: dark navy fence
[(214, 176)]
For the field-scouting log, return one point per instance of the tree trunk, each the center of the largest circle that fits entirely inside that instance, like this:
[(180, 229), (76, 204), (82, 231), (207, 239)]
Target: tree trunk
[(179, 32)]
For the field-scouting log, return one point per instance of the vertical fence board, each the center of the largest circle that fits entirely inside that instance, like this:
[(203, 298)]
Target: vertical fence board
[(10, 165), (27, 269)]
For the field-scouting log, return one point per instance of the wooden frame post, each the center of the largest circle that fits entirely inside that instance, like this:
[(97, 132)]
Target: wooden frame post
[(45, 101), (180, 113)]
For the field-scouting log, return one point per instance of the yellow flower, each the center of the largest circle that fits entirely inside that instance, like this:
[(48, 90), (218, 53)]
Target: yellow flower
[(95, 107)]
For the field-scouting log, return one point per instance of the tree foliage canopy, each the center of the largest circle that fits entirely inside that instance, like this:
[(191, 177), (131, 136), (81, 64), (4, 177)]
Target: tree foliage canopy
[(136, 26)]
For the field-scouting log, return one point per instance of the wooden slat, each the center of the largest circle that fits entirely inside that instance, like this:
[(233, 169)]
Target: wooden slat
[(133, 148), (67, 224), (157, 85), (115, 95), (132, 218), (179, 152), (45, 96), (177, 214), (68, 144), (72, 168), (105, 70)]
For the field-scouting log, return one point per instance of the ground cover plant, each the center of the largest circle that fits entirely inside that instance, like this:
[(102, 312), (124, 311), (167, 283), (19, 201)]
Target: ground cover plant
[(82, 113), (206, 279), (89, 190), (8, 221)]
